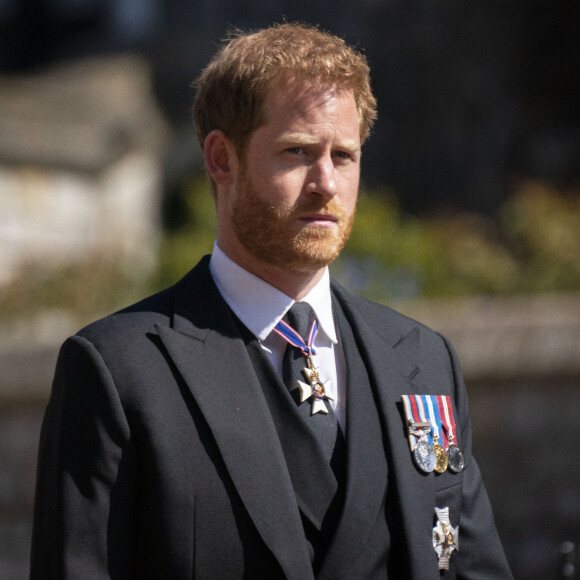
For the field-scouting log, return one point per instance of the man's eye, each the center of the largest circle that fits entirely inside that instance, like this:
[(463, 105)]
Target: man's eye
[(295, 150), (342, 154)]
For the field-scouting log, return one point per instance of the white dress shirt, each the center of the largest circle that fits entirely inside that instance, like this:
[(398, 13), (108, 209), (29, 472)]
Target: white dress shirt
[(260, 307)]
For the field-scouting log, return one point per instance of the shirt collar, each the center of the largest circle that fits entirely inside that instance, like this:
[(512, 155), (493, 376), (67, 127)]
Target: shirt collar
[(259, 305)]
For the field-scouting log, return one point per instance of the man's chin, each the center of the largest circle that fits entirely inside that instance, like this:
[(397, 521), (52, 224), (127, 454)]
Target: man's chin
[(313, 256)]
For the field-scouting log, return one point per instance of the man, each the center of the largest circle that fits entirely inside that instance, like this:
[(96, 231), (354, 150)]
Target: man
[(224, 428)]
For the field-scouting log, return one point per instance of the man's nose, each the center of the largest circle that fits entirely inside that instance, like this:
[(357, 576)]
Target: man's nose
[(322, 178)]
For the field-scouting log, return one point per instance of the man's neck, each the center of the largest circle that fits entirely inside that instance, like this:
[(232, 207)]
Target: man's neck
[(294, 283)]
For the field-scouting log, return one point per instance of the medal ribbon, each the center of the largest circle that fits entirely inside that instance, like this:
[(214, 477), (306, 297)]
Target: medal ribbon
[(419, 413), (413, 417), (407, 405), (438, 417), (444, 403), (434, 418), (293, 338)]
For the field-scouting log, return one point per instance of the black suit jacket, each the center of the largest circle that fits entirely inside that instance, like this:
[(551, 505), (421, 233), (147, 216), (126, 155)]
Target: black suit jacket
[(159, 457)]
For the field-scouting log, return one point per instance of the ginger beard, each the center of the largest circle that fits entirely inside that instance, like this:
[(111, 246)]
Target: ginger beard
[(277, 236)]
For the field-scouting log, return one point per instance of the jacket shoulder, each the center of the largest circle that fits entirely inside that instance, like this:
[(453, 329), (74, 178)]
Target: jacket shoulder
[(384, 320), (157, 309)]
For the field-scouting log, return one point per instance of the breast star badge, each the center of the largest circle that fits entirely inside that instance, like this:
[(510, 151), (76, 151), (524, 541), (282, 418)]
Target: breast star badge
[(315, 389), (445, 537)]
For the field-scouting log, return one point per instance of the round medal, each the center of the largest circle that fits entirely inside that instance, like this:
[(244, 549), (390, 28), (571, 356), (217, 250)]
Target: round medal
[(455, 458), (318, 391), (424, 456), (441, 458)]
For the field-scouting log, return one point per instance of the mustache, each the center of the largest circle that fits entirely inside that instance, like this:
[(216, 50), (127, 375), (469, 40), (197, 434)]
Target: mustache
[(312, 206)]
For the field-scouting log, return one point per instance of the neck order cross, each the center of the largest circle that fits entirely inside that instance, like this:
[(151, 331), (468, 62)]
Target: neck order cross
[(314, 389)]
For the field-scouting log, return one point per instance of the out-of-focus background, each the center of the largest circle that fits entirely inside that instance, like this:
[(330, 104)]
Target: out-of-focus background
[(469, 216)]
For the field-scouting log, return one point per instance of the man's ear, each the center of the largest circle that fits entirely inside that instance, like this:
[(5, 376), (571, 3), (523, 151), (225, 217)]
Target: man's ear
[(220, 157)]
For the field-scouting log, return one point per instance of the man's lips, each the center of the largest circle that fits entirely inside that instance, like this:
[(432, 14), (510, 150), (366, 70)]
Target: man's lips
[(320, 219)]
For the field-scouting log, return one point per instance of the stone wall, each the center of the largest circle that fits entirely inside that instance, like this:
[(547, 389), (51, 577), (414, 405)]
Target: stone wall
[(80, 165)]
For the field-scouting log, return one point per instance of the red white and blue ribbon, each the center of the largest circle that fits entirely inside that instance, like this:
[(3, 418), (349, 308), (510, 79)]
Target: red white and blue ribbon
[(419, 409), (293, 338), (418, 426)]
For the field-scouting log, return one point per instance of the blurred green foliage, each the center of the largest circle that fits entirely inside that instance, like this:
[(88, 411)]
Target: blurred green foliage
[(542, 230), (183, 248), (97, 285), (532, 245)]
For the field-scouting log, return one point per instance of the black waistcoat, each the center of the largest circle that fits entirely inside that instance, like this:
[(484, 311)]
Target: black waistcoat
[(321, 495)]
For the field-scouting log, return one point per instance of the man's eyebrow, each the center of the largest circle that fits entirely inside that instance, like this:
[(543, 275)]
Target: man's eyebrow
[(303, 139)]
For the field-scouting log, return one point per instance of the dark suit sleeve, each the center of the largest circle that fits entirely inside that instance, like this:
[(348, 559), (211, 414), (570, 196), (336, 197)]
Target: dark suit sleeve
[(480, 554), (84, 506)]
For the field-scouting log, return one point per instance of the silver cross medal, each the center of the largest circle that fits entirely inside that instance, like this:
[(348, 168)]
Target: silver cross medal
[(315, 388), (445, 537)]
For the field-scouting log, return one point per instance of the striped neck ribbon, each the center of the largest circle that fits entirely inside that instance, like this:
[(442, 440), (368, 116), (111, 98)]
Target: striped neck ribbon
[(293, 338)]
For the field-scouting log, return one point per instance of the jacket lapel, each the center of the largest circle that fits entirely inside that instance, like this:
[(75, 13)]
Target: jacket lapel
[(202, 344), (388, 359)]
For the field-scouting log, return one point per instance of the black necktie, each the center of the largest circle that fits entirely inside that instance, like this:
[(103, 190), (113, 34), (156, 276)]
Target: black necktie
[(325, 426)]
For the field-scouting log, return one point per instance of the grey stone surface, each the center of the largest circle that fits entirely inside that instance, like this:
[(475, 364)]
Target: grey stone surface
[(19, 433), (81, 116), (28, 353), (81, 151), (508, 338)]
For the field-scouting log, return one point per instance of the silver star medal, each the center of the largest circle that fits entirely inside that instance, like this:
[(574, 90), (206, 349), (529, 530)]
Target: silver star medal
[(315, 388), (445, 537)]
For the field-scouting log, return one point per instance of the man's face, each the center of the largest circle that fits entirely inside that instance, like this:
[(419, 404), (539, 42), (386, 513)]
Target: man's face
[(295, 194)]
